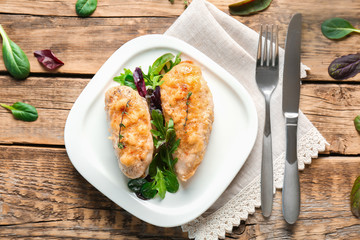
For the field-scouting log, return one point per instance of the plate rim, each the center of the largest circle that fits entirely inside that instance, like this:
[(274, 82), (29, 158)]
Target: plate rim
[(143, 43)]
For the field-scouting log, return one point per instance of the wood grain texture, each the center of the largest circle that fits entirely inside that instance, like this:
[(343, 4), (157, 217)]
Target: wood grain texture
[(325, 210), (42, 196), (330, 107), (45, 197), (84, 44)]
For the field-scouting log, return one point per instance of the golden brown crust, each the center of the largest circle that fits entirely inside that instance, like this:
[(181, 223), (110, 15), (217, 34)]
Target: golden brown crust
[(193, 116), (126, 106)]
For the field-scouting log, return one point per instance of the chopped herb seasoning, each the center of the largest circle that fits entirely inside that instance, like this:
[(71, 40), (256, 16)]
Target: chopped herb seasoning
[(187, 107), (121, 125)]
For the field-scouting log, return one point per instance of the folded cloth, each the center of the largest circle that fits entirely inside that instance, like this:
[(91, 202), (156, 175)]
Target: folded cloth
[(233, 46)]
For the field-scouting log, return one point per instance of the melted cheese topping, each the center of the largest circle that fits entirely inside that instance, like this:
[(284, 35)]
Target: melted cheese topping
[(192, 116), (137, 139)]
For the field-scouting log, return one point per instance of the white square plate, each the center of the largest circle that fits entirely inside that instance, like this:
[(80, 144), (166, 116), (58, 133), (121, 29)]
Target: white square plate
[(233, 136)]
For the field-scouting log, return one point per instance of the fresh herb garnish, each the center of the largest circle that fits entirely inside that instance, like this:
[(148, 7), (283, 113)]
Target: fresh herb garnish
[(187, 107), (16, 61), (153, 78), (162, 169), (85, 8), (248, 7), (345, 67), (336, 28), (22, 111), (121, 125)]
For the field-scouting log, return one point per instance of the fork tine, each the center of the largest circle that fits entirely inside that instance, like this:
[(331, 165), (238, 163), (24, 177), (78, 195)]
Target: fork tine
[(276, 47), (271, 52), (259, 55), (266, 57)]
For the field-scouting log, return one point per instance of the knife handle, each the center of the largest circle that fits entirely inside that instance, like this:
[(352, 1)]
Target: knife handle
[(267, 177), (291, 188)]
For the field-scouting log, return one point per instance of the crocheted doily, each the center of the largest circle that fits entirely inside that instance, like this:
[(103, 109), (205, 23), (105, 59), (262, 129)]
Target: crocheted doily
[(215, 225)]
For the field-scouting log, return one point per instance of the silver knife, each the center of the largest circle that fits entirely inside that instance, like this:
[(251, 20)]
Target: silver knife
[(291, 98)]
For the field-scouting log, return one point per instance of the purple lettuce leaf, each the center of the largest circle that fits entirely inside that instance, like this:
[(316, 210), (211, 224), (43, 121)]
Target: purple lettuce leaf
[(345, 67), (48, 59), (139, 82), (155, 100)]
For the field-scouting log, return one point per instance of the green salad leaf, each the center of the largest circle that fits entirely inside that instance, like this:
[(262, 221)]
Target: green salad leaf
[(22, 111), (161, 169), (336, 28), (153, 78)]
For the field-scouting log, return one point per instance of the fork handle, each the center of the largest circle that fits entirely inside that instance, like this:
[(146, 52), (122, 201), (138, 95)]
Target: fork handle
[(267, 165), (267, 177)]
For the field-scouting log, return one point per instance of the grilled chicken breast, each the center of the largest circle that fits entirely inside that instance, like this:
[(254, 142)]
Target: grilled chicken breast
[(187, 99), (130, 127)]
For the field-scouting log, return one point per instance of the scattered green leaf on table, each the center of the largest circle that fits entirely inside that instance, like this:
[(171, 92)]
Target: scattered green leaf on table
[(357, 123), (345, 67), (247, 7), (355, 198), (16, 61), (336, 28), (85, 8), (22, 111)]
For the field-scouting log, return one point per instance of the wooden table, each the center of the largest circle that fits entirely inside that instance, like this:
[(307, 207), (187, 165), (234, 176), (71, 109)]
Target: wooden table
[(42, 196)]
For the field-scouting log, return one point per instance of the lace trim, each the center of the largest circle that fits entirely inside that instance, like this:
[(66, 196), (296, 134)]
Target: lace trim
[(239, 207)]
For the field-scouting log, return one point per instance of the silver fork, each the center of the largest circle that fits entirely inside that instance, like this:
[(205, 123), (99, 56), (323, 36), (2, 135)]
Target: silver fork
[(267, 77)]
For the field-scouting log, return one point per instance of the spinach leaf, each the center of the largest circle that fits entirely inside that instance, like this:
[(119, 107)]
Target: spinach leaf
[(345, 67), (22, 111), (161, 169), (357, 123), (171, 182), (336, 28), (248, 7), (153, 78), (85, 8), (159, 63), (136, 184), (355, 198), (16, 61), (148, 191)]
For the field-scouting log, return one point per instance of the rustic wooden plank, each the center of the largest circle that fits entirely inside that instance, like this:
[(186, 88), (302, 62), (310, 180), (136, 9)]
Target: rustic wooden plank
[(42, 195), (82, 44), (85, 44), (325, 206), (330, 107), (105, 8), (53, 98)]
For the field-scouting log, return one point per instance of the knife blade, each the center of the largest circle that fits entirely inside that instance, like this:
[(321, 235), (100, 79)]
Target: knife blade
[(291, 98)]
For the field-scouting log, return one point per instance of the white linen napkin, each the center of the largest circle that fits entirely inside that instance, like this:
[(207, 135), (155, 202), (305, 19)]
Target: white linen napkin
[(233, 46)]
